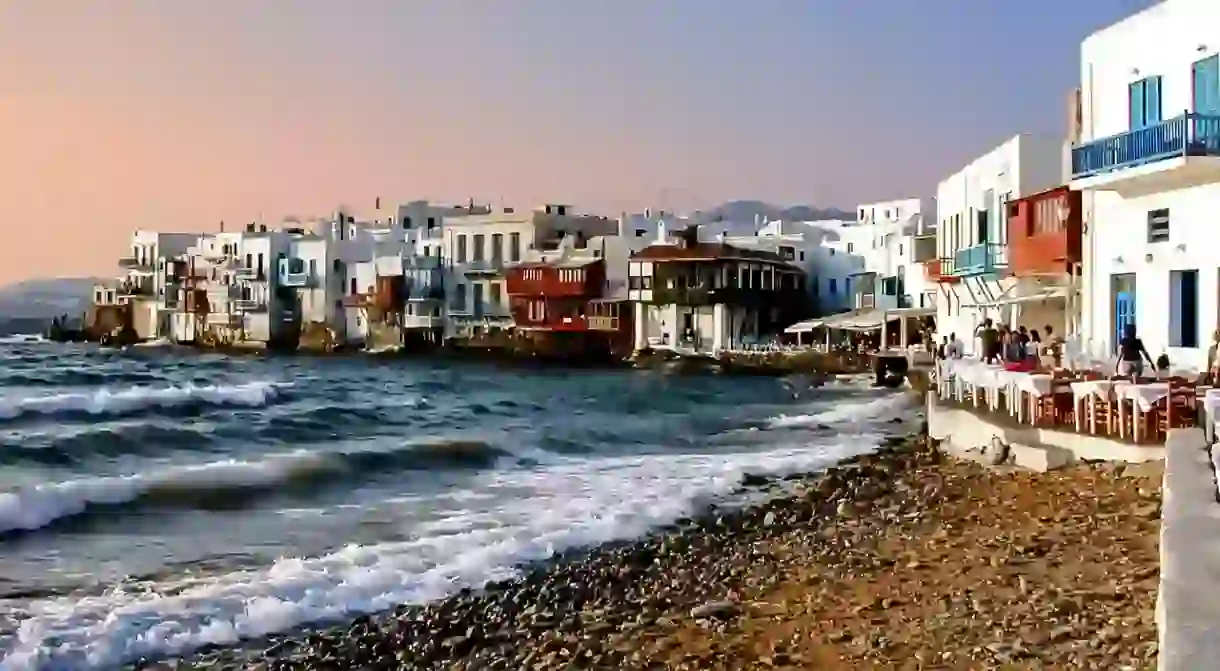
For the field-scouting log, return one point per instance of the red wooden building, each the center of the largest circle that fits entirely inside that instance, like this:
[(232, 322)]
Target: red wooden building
[(1044, 233), (563, 308)]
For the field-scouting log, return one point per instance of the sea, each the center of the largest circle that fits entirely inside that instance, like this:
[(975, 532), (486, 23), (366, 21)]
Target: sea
[(155, 501)]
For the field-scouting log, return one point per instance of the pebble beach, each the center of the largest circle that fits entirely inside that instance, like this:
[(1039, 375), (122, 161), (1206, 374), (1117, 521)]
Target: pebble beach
[(900, 559)]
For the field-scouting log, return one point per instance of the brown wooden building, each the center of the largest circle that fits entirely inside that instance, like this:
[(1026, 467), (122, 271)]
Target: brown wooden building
[(561, 307)]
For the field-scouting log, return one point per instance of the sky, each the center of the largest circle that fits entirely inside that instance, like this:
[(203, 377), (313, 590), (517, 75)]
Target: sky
[(176, 114)]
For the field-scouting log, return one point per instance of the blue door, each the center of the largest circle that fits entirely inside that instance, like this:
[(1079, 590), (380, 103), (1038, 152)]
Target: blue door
[(1124, 313)]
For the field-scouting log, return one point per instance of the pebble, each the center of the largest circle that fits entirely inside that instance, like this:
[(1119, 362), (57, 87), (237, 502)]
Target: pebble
[(899, 555)]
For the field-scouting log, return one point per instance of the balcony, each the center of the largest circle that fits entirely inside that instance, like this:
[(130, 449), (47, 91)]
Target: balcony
[(984, 259), (224, 319), (939, 270), (136, 290), (425, 293), (925, 248), (137, 264), (1174, 154), (250, 305), (298, 280), (603, 323), (1044, 233), (421, 322), (482, 267)]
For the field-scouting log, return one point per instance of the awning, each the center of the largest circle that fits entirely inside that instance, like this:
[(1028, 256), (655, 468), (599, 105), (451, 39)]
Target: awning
[(806, 326), (1043, 294), (861, 320)]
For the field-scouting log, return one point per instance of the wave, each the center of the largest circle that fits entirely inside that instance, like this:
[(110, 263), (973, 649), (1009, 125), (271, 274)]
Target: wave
[(544, 512), (23, 339), (82, 443), (109, 402), (847, 412), (230, 483)]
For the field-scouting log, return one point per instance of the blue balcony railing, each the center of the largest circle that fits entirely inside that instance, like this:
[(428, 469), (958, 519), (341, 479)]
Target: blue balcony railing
[(294, 280), (1190, 134), (980, 259)]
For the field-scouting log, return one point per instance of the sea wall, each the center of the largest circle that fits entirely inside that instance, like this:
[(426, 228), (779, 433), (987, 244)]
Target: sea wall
[(1188, 612)]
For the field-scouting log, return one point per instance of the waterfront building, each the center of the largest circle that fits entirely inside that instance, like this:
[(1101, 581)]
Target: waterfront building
[(228, 290), (400, 300), (478, 246), (572, 301), (875, 262), (711, 296), (972, 207), (1148, 166), (142, 298)]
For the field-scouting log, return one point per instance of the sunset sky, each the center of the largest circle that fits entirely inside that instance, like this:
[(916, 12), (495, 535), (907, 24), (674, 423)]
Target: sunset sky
[(176, 114)]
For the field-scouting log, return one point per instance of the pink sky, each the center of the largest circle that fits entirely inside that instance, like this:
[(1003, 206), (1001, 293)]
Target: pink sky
[(176, 114)]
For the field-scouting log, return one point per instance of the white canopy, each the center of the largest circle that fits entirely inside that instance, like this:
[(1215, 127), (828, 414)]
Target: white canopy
[(862, 320), (1039, 294)]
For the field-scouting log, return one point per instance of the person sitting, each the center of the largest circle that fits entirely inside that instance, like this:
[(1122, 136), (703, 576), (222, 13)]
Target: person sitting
[(1162, 366)]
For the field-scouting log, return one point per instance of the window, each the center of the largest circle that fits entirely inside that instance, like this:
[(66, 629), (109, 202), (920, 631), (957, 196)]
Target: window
[(834, 288), (1144, 102), (1184, 308), (406, 222), (1205, 90), (313, 267), (477, 254), (1158, 225), (814, 285), (847, 285), (461, 249), (514, 247), (459, 298), (497, 248), (495, 295), (354, 290), (431, 223), (900, 248), (851, 247), (803, 254), (639, 232)]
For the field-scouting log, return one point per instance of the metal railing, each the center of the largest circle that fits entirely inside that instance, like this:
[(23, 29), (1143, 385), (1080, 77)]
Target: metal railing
[(1190, 134)]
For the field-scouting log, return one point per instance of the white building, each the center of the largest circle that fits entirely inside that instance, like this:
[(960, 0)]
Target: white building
[(1148, 167), (972, 233), (146, 285), (478, 246), (238, 272)]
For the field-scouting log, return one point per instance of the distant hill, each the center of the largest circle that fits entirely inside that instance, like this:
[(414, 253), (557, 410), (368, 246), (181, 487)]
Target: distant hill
[(45, 298), (746, 210)]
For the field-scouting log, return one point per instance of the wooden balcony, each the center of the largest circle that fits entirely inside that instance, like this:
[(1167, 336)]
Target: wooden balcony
[(603, 323), (1044, 233), (940, 270)]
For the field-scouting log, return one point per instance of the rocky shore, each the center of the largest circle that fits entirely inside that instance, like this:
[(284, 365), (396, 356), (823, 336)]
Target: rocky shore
[(902, 559)]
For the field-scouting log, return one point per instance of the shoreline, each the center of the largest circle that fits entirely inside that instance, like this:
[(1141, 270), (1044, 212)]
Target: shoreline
[(899, 555)]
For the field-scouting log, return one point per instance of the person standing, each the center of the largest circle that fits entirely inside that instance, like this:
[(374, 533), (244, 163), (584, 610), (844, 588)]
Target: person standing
[(989, 341), (1132, 354), (1213, 358)]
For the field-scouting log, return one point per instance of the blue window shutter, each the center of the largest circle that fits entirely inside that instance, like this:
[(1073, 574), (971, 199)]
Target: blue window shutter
[(1152, 101), (1206, 89), (1135, 105)]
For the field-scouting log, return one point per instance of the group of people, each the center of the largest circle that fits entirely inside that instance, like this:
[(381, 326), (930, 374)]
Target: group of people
[(1018, 349)]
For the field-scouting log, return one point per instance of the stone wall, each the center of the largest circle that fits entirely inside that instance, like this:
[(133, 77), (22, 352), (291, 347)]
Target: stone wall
[(1188, 612)]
